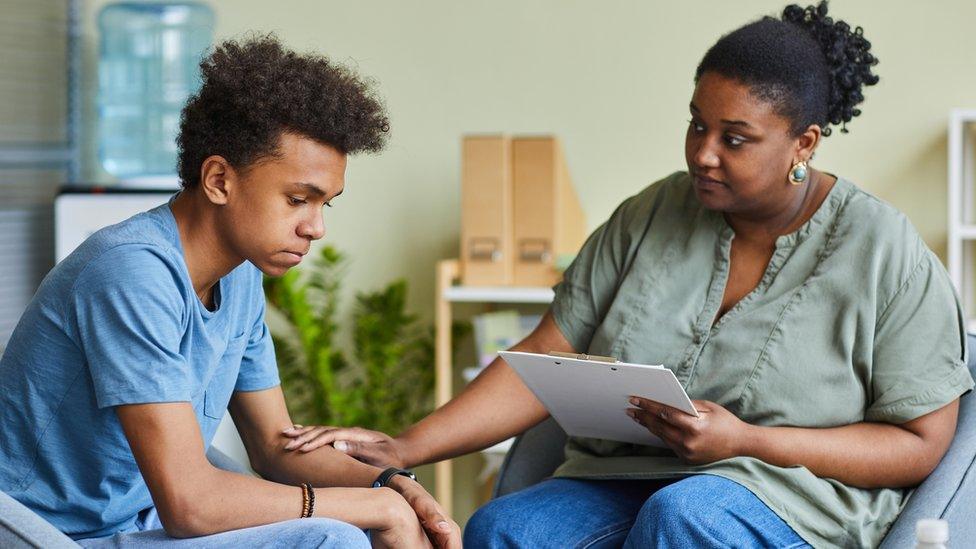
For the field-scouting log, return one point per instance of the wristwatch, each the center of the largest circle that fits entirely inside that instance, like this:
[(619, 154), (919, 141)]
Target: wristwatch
[(389, 473)]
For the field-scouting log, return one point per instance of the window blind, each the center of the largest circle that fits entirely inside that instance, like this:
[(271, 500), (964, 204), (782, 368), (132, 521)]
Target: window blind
[(36, 142)]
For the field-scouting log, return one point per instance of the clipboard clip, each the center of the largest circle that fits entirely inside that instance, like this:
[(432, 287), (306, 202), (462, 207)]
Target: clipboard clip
[(594, 358)]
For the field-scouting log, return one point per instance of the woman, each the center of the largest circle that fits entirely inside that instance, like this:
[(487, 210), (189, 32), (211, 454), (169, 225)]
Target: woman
[(821, 339)]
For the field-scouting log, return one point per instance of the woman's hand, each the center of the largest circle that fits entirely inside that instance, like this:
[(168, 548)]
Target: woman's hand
[(372, 447), (713, 436)]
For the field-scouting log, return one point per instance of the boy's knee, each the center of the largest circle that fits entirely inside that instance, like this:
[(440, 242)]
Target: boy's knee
[(329, 533)]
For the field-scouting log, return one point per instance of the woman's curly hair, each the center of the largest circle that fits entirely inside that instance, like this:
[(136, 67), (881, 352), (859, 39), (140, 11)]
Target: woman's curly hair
[(811, 67), (254, 90)]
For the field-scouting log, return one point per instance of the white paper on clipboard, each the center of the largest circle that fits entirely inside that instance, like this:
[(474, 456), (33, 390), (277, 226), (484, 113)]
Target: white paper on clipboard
[(589, 398)]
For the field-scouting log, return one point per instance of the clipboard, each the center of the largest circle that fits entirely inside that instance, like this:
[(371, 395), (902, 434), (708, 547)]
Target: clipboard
[(588, 395)]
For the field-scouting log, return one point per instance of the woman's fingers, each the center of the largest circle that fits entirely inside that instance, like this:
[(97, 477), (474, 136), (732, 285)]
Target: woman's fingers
[(297, 431), (307, 435), (380, 455)]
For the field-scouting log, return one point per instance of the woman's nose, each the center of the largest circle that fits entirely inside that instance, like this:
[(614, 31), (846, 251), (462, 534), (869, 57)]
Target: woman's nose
[(705, 156)]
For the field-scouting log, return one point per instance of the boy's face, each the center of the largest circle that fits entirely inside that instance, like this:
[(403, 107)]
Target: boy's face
[(274, 209)]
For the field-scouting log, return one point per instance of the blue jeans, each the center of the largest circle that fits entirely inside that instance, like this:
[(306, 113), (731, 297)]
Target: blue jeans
[(698, 511), (310, 532)]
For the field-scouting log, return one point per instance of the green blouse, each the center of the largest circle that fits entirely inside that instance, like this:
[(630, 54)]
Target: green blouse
[(854, 320)]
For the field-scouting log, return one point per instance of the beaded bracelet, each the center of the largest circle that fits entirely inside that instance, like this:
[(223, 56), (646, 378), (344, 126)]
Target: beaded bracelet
[(311, 499), (307, 496)]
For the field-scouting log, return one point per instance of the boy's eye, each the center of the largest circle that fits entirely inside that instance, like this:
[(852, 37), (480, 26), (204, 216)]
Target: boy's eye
[(295, 201), (696, 127)]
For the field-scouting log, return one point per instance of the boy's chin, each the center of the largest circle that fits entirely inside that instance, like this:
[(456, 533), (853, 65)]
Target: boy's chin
[(272, 270)]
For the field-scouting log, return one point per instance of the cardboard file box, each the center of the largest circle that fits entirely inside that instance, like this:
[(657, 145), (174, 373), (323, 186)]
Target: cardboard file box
[(487, 257), (548, 219)]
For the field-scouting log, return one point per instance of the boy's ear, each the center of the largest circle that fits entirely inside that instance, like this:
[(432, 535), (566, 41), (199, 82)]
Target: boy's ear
[(217, 178)]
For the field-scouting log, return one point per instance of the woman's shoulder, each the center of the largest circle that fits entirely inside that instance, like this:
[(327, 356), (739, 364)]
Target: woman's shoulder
[(672, 193), (881, 234)]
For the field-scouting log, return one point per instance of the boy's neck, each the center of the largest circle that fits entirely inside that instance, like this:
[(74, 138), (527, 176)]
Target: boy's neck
[(207, 257)]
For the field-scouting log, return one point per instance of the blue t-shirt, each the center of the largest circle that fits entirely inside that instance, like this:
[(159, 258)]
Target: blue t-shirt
[(118, 322)]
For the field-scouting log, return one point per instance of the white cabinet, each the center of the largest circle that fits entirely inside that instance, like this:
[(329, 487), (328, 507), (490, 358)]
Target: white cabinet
[(962, 208)]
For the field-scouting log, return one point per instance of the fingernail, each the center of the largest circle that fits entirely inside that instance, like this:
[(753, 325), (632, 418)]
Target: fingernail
[(291, 445), (288, 430), (341, 445), (635, 401), (444, 526)]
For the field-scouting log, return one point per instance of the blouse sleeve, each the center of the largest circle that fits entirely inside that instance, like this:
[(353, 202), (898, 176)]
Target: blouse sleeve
[(920, 355), (590, 283)]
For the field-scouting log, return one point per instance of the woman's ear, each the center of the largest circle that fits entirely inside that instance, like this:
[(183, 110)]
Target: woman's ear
[(217, 178), (806, 143)]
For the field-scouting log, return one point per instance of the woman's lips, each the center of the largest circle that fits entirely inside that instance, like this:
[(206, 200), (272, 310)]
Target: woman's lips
[(706, 183)]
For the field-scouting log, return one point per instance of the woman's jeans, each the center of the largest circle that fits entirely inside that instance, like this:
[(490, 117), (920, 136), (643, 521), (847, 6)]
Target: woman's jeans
[(698, 511)]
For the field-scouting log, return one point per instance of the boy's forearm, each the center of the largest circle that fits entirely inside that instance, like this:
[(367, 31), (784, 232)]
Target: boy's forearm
[(326, 467), (221, 501)]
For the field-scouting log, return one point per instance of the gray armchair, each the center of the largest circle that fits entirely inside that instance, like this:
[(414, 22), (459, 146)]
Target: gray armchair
[(949, 492), (22, 528)]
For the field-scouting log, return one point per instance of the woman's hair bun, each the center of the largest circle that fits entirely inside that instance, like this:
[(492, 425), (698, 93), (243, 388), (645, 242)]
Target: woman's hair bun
[(848, 56)]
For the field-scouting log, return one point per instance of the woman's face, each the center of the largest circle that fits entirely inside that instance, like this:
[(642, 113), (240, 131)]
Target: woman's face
[(738, 150)]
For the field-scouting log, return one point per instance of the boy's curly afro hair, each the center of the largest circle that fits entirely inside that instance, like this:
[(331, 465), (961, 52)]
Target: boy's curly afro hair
[(254, 90)]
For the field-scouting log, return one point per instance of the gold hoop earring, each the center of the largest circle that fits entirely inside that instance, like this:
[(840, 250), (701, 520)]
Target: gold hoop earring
[(798, 173)]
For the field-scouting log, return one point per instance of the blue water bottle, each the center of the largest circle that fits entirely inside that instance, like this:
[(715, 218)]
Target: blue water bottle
[(149, 58)]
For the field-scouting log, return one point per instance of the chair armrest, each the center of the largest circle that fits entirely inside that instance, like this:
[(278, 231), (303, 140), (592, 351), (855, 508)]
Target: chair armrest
[(22, 528), (950, 491), (534, 455)]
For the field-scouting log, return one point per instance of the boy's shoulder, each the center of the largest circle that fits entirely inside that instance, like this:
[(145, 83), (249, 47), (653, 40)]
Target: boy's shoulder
[(138, 251)]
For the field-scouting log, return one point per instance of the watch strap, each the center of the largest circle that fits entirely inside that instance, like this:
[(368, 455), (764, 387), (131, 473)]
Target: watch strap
[(389, 473)]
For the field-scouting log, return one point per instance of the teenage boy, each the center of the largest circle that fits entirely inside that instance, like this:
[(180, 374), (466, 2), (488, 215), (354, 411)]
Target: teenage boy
[(115, 379)]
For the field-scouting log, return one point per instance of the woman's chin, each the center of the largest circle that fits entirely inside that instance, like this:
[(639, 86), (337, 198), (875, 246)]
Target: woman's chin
[(711, 201)]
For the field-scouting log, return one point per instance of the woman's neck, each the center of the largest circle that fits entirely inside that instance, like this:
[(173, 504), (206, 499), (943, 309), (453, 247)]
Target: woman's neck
[(767, 226)]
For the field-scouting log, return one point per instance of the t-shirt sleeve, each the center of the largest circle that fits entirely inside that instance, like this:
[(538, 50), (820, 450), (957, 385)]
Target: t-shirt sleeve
[(259, 369), (920, 353), (128, 311), (589, 284)]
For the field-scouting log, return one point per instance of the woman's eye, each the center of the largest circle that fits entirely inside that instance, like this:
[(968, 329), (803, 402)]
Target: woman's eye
[(695, 126), (734, 140)]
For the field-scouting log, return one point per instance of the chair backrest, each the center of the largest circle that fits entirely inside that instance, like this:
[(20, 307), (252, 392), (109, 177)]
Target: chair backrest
[(948, 493)]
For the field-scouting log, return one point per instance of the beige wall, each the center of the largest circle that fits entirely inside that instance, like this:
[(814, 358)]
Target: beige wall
[(612, 78)]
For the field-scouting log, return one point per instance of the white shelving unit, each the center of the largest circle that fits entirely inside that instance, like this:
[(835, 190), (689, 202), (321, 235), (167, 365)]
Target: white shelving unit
[(962, 208), (446, 295)]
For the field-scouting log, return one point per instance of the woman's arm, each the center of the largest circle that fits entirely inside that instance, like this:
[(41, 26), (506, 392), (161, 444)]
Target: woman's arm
[(495, 406), (866, 455)]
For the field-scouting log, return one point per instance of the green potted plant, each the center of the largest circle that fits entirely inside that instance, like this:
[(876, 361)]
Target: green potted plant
[(386, 383)]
